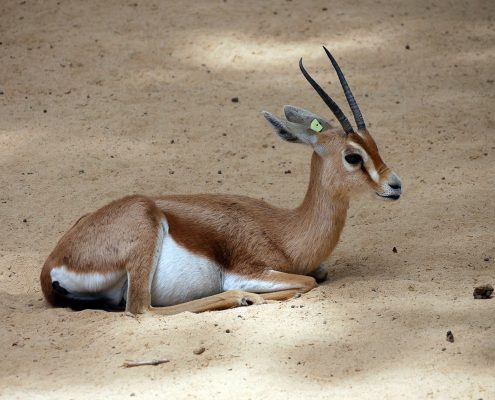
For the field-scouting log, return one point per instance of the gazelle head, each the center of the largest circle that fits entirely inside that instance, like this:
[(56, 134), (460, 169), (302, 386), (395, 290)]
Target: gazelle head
[(350, 158)]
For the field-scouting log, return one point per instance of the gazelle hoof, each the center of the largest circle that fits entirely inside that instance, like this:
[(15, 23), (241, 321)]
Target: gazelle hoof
[(320, 274), (249, 299)]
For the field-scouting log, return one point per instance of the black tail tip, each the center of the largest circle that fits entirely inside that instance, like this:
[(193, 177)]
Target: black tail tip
[(59, 289)]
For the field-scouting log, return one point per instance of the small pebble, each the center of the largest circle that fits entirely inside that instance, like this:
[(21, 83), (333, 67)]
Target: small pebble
[(450, 337), (394, 249), (199, 350), (227, 330), (235, 99), (483, 292)]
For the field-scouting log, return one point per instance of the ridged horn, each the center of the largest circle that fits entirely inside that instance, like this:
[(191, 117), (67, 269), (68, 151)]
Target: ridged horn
[(328, 101), (358, 117)]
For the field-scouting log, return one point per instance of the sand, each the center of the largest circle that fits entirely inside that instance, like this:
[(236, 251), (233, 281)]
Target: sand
[(104, 99)]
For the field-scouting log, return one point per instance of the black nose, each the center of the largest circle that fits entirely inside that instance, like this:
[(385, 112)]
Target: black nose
[(394, 185)]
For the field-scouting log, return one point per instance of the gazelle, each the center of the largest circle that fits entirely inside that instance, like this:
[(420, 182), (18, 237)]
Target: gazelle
[(210, 252)]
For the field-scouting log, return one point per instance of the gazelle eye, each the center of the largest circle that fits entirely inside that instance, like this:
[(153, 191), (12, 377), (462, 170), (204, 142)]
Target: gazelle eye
[(353, 158)]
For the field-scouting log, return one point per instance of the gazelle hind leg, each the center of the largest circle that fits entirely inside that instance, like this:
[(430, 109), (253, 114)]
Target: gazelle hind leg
[(140, 270), (141, 265)]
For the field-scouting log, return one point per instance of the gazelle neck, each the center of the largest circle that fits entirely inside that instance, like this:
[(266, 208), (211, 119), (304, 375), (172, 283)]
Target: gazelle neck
[(314, 228)]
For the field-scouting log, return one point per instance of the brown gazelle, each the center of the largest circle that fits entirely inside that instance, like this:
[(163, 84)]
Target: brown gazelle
[(210, 252)]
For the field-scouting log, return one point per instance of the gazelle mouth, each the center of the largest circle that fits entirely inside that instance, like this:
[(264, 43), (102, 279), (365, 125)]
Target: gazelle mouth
[(389, 196)]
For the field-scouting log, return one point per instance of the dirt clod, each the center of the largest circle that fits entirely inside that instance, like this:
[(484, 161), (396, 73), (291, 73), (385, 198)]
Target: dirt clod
[(483, 291)]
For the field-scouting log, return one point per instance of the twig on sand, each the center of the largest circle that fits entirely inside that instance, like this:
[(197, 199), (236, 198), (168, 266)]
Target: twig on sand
[(131, 364)]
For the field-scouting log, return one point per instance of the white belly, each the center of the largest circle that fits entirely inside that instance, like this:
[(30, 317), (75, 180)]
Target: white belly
[(182, 275)]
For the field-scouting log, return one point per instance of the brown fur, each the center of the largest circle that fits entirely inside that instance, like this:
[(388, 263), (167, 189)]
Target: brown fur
[(246, 236)]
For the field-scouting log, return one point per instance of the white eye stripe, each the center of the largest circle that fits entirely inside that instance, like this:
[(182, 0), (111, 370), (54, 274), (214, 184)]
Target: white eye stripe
[(361, 151), (372, 172), (356, 146), (367, 162)]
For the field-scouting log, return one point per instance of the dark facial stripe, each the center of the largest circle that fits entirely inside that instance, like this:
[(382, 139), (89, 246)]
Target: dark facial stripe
[(368, 144)]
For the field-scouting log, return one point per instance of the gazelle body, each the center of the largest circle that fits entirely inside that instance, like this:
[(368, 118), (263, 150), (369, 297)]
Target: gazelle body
[(208, 252)]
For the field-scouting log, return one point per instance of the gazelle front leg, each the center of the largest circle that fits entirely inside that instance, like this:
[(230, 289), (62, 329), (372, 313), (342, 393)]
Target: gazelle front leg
[(271, 284), (217, 302), (242, 290)]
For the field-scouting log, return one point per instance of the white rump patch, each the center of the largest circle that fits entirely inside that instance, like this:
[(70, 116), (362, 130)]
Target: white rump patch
[(91, 285)]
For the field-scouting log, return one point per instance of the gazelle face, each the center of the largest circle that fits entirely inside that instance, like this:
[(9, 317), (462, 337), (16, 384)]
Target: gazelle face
[(360, 156), (352, 155)]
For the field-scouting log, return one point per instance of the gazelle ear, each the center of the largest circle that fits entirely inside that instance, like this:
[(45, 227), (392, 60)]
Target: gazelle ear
[(306, 118), (291, 131)]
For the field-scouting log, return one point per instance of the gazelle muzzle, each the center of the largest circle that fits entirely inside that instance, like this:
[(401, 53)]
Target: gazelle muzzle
[(392, 188)]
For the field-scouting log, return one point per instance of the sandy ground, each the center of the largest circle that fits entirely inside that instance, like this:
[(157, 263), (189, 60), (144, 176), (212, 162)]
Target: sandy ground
[(103, 99)]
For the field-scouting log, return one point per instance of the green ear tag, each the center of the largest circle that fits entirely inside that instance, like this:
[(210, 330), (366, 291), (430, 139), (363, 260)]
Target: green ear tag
[(316, 126)]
